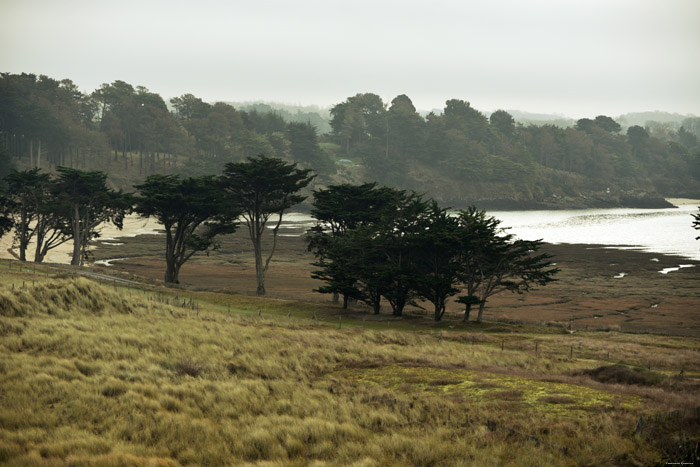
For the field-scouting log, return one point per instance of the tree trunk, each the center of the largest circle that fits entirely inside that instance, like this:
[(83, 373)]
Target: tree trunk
[(345, 301), (172, 272), (439, 310), (336, 298), (23, 227), (398, 308), (481, 311), (467, 311), (172, 268), (38, 257), (77, 237), (40, 254), (259, 268), (377, 305)]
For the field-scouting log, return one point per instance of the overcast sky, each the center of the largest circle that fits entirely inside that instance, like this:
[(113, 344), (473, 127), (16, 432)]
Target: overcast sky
[(580, 58)]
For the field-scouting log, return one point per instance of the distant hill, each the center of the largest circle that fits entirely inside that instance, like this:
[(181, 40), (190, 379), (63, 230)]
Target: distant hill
[(319, 117), (641, 118), (529, 118)]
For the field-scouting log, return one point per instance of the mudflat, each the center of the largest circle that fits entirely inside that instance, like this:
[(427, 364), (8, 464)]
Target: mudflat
[(598, 287)]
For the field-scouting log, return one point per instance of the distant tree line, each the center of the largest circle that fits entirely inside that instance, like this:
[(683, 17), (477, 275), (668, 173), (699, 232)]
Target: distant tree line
[(381, 243), (49, 123), (120, 128), (465, 143)]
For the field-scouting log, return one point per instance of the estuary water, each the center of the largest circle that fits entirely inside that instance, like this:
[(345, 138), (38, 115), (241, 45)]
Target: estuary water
[(666, 231)]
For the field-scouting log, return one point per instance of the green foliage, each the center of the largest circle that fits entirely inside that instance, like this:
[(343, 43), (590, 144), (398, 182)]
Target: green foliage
[(343, 239), (304, 148), (607, 124), (436, 265), (503, 122), (264, 123)]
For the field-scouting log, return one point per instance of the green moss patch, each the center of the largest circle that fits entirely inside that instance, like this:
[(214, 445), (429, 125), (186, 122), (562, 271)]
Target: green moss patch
[(485, 389)]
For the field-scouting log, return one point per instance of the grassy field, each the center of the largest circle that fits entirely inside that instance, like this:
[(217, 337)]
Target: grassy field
[(125, 374)]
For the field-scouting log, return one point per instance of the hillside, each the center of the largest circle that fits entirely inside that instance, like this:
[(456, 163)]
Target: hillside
[(457, 154), (130, 374)]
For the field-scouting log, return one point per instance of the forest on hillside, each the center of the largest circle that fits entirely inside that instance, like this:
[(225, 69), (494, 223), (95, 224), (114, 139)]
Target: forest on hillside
[(458, 156)]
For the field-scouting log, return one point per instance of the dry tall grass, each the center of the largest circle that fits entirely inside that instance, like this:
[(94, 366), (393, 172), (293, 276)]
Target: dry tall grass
[(98, 375)]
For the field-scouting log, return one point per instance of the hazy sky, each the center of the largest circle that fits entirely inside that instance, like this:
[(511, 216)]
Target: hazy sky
[(580, 58)]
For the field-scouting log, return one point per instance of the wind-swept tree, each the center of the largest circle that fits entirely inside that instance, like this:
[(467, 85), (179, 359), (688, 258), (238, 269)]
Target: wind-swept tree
[(263, 187), (494, 261), (86, 201), (696, 223), (193, 211)]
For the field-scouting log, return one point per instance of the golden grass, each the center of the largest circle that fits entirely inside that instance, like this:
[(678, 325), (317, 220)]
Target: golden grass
[(100, 375)]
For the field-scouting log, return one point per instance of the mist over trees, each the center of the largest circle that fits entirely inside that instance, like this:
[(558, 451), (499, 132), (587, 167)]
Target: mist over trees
[(458, 156)]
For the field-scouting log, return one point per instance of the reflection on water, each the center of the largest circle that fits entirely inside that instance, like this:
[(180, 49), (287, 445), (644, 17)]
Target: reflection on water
[(665, 231)]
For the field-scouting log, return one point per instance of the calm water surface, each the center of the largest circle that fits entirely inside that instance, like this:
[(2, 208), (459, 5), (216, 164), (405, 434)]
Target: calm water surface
[(667, 231)]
